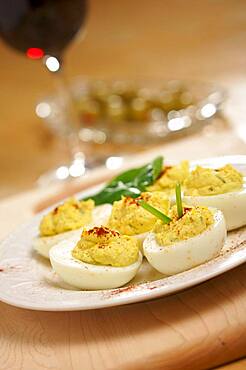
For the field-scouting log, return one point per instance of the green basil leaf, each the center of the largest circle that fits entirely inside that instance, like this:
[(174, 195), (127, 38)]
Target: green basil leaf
[(129, 183), (148, 174), (157, 167), (111, 194), (127, 176)]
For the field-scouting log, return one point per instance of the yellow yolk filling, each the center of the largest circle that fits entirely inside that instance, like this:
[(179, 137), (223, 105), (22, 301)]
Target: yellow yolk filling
[(70, 215), (102, 246), (194, 221), (129, 218), (170, 177), (206, 181)]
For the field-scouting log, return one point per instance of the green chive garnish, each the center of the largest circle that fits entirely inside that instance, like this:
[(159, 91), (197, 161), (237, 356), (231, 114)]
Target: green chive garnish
[(165, 219), (179, 200)]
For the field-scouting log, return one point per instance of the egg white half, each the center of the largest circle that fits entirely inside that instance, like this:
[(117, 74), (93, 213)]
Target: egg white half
[(141, 238), (189, 253), (100, 216), (88, 276), (233, 206)]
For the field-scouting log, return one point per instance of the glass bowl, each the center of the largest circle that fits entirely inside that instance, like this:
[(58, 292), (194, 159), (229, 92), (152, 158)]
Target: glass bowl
[(136, 111)]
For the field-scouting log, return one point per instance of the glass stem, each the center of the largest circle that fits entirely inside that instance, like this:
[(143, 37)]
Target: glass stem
[(72, 115), (73, 122)]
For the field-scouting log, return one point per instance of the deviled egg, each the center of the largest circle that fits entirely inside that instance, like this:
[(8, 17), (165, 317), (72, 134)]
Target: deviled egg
[(186, 241), (222, 188), (67, 221), (101, 259), (171, 175), (128, 218)]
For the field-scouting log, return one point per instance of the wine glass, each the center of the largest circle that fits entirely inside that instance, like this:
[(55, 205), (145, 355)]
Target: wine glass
[(42, 29)]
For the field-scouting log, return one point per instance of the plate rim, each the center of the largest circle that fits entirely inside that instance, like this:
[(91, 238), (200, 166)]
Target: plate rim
[(159, 292)]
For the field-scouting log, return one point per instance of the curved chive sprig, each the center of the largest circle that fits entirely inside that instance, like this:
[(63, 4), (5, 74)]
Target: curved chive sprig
[(179, 200), (164, 218)]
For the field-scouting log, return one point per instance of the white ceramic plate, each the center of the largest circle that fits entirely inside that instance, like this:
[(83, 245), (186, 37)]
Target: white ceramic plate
[(26, 280)]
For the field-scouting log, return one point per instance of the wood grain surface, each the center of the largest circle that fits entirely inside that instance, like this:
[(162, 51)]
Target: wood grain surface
[(237, 365), (196, 329)]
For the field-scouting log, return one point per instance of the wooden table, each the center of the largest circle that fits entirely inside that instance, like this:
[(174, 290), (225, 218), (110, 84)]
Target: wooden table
[(196, 329), (199, 328)]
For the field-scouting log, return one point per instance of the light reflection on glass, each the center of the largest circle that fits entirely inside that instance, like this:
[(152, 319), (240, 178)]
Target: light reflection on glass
[(92, 135), (208, 110), (99, 137), (52, 64), (86, 134), (43, 110), (77, 168), (179, 123), (62, 173), (113, 163)]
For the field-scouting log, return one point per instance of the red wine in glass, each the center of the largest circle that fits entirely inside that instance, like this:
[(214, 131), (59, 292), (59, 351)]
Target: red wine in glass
[(48, 25), (42, 29)]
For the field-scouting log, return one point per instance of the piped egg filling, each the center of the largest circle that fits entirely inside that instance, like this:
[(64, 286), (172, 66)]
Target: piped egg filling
[(129, 218), (170, 176), (102, 246), (102, 259), (66, 222), (184, 243), (194, 221), (207, 181), (70, 215), (222, 188)]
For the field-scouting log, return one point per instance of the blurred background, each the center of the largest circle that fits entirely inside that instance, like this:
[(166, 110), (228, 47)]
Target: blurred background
[(147, 40)]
